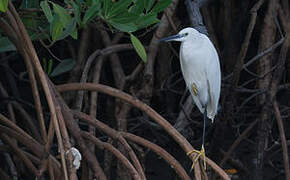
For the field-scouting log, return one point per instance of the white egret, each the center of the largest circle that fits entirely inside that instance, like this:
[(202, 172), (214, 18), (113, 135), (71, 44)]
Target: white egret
[(201, 71)]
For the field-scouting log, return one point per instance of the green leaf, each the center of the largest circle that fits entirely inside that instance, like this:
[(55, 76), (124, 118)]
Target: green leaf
[(160, 6), (79, 2), (74, 34), (125, 27), (125, 17), (65, 66), (149, 4), (3, 5), (6, 45), (147, 20), (119, 7), (138, 47), (107, 7), (56, 28), (46, 10), (62, 13), (49, 66), (69, 29), (138, 6), (77, 11), (88, 3), (91, 13)]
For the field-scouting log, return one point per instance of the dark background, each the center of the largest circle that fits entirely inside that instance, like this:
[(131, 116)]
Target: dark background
[(247, 119)]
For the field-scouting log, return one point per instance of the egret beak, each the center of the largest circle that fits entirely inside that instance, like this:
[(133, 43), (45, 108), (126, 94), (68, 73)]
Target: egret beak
[(170, 38)]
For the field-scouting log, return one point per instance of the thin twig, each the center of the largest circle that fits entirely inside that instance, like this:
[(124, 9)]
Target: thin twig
[(160, 151), (20, 154), (283, 139), (92, 57), (116, 152), (237, 142), (244, 48)]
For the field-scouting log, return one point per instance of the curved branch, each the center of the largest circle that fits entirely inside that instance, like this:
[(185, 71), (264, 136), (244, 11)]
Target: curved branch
[(19, 153), (283, 139), (194, 14), (160, 151), (37, 149), (119, 136), (92, 57), (75, 131), (185, 145), (115, 135), (113, 150), (30, 55), (244, 48), (237, 142), (22, 134)]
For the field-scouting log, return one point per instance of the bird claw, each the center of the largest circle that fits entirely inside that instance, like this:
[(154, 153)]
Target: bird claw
[(200, 153)]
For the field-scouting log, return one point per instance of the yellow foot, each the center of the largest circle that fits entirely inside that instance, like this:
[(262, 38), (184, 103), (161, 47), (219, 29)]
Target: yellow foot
[(199, 153), (194, 89)]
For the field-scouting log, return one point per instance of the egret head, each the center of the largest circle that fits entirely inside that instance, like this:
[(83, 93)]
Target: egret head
[(183, 35)]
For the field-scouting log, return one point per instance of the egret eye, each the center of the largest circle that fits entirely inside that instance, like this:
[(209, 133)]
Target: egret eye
[(185, 34)]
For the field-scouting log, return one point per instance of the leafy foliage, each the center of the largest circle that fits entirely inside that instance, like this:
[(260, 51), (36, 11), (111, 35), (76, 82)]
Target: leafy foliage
[(64, 66), (62, 24), (46, 10), (3, 5), (47, 65), (64, 20), (124, 15)]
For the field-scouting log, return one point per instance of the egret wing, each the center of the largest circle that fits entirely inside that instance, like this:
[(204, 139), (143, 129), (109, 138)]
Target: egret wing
[(214, 83)]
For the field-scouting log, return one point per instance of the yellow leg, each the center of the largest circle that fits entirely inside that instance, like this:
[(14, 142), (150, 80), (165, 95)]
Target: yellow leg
[(199, 153), (194, 89)]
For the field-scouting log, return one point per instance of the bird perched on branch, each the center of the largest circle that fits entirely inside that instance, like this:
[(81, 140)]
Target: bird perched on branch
[(201, 71)]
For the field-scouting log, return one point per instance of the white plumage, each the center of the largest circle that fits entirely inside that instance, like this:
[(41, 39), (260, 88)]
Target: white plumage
[(200, 65), (200, 68), (201, 71)]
